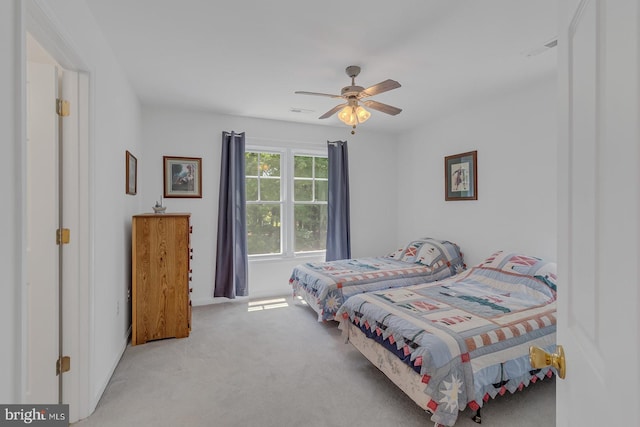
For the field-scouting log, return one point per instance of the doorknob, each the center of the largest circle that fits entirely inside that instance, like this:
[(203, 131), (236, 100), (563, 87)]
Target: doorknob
[(541, 359)]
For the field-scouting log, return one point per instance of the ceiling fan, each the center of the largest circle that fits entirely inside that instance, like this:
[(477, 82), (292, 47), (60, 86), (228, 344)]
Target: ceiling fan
[(351, 112)]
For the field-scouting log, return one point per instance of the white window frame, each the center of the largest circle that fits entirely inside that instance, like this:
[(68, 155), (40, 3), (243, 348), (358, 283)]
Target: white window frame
[(283, 197), (287, 232)]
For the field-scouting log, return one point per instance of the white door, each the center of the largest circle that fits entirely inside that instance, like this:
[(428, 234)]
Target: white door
[(41, 323), (599, 212), (53, 187), (42, 221)]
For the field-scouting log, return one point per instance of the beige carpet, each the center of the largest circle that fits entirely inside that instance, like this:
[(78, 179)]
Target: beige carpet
[(276, 367)]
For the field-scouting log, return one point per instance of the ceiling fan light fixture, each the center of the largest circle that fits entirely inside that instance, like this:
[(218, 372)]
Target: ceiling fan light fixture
[(362, 114), (351, 115), (347, 116)]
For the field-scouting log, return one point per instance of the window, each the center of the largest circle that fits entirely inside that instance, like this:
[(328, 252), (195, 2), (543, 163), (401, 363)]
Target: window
[(264, 205), (286, 202), (310, 203)]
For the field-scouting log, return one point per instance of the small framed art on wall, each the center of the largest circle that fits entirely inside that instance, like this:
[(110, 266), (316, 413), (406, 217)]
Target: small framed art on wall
[(461, 176), (131, 178), (182, 177)]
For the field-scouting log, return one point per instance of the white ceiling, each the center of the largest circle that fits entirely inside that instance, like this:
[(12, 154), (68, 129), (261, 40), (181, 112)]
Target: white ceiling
[(247, 57)]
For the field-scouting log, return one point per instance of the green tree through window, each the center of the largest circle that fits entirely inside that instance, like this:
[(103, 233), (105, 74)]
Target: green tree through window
[(310, 203), (264, 207), (268, 176)]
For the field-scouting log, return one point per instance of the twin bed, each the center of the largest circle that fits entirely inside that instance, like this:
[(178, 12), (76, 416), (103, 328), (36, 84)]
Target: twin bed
[(326, 285), (460, 340)]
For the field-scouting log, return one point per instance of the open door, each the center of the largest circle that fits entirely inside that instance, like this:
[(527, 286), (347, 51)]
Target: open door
[(599, 212), (54, 202), (42, 221)]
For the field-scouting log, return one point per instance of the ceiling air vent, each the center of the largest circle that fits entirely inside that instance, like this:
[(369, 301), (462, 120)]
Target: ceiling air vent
[(301, 110), (545, 47)]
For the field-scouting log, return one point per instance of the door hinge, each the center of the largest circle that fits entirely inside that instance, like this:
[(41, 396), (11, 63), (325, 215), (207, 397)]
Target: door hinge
[(63, 364), (63, 236), (62, 107)]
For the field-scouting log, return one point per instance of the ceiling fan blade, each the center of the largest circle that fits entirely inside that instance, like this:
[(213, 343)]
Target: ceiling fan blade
[(382, 107), (379, 88), (333, 111), (301, 92)]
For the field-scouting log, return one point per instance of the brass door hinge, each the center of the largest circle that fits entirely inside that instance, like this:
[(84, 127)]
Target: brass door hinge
[(63, 365), (63, 236), (62, 107)]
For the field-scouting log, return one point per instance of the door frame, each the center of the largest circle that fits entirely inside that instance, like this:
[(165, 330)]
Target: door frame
[(37, 20)]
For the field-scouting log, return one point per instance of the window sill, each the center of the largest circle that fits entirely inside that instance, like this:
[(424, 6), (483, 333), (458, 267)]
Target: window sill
[(302, 257)]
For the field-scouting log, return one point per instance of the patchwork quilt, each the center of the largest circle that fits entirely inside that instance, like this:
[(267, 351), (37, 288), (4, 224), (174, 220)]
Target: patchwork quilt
[(326, 285), (466, 336)]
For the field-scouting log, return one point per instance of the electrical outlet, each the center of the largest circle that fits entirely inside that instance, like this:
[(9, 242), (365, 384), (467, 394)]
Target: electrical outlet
[(128, 295)]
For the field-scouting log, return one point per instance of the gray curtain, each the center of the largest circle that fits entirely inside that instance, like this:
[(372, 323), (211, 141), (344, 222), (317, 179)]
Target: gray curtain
[(338, 228), (231, 254)]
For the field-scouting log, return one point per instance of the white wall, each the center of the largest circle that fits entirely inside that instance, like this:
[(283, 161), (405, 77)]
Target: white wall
[(516, 138), (10, 216), (114, 122), (514, 134), (198, 134)]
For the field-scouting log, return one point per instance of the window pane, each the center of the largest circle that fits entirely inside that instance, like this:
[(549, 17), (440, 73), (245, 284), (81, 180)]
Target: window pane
[(322, 167), (263, 229), (252, 189), (310, 227), (251, 164), (303, 167), (265, 202), (270, 164), (303, 190), (270, 189), (321, 190)]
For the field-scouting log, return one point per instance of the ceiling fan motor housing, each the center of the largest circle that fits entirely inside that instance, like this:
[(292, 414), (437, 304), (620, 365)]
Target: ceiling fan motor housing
[(349, 91)]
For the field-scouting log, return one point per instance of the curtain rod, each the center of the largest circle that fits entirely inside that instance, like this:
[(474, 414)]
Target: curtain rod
[(233, 132)]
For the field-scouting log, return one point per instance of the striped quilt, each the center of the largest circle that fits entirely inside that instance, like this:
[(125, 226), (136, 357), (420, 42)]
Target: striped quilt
[(467, 336), (326, 285)]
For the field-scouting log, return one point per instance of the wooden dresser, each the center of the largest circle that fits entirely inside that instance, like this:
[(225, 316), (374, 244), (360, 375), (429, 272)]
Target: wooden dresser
[(160, 269)]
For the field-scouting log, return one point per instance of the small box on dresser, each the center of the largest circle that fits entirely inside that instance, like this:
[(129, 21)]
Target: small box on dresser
[(160, 268)]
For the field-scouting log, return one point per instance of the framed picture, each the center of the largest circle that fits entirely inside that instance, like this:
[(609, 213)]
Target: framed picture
[(132, 174), (182, 177), (461, 176)]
